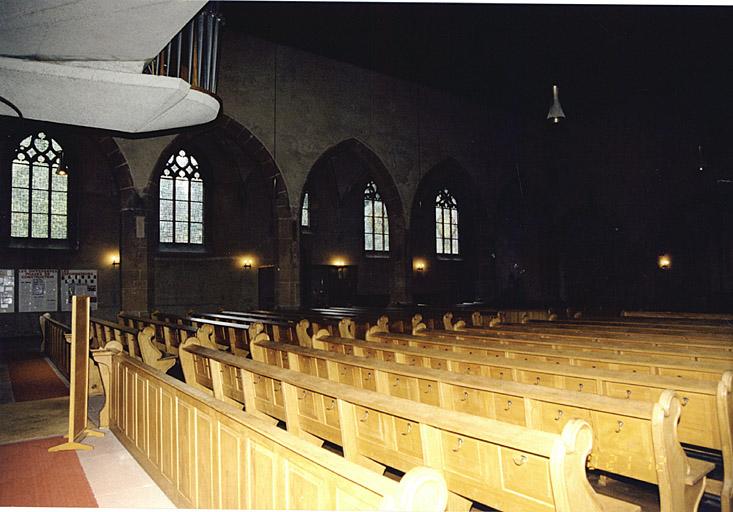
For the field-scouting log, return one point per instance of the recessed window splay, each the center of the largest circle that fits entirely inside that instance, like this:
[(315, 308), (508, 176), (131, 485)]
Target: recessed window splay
[(181, 196)]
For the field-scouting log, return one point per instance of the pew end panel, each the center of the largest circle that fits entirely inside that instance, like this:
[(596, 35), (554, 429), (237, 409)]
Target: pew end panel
[(725, 418)]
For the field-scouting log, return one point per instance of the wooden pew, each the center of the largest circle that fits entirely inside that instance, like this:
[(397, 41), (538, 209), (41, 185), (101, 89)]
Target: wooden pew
[(707, 412), (661, 327), (498, 464), (106, 331), (170, 334), (150, 353), (678, 315), (636, 363), (586, 344), (631, 438), (694, 336), (207, 454), (534, 331), (278, 329)]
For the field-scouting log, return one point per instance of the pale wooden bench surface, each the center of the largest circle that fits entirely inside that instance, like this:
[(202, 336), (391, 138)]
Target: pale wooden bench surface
[(631, 438), (705, 420), (681, 349), (522, 469), (106, 331), (555, 330), (168, 335), (599, 333), (655, 365), (258, 466)]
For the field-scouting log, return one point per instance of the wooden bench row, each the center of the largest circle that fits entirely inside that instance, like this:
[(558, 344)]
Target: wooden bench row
[(677, 349), (533, 332), (498, 464), (707, 412), (207, 454), (697, 335), (630, 437)]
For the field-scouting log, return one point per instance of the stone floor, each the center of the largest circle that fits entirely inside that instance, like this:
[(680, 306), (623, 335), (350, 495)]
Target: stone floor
[(116, 479)]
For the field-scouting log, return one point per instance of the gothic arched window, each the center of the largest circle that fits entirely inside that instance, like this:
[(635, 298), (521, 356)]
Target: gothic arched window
[(181, 196), (376, 223), (446, 223), (40, 184)]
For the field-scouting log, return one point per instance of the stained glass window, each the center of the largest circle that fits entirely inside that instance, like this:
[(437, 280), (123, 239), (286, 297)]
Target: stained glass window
[(38, 204), (376, 223), (446, 223), (181, 201), (305, 219)]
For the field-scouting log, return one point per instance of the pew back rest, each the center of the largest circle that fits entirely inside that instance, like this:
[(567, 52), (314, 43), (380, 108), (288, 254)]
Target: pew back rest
[(259, 465), (645, 447), (491, 462)]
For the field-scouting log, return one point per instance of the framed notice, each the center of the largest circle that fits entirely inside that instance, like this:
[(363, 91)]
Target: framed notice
[(37, 290), (7, 291), (78, 282)]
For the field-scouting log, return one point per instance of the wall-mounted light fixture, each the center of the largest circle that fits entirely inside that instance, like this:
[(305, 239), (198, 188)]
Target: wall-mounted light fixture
[(246, 262), (419, 266), (340, 264), (664, 261), (113, 258)]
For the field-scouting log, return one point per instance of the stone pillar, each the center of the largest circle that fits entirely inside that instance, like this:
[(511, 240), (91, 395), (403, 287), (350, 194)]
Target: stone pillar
[(287, 270), (401, 288), (136, 276)]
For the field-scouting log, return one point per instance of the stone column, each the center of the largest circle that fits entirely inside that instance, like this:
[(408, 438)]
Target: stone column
[(136, 276), (287, 270)]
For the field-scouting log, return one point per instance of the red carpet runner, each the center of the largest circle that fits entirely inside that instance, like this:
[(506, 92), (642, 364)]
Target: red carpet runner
[(33, 379), (32, 477)]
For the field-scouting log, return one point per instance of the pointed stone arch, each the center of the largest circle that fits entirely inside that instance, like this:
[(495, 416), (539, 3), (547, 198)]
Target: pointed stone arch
[(242, 150), (472, 269), (332, 165)]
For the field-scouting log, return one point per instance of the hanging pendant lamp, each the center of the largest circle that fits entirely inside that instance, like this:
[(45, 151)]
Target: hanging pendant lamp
[(555, 112)]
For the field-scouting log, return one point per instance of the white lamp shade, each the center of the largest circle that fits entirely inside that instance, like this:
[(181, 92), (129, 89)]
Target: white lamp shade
[(555, 112)]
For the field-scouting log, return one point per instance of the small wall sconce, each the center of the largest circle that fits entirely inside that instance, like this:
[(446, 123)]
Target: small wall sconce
[(419, 266), (246, 263), (664, 261), (114, 259)]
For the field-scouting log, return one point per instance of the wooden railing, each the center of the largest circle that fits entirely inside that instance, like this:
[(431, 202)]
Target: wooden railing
[(54, 343)]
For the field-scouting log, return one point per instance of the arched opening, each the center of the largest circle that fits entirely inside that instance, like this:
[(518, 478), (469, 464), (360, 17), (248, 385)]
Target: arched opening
[(246, 210), (344, 259), (444, 237)]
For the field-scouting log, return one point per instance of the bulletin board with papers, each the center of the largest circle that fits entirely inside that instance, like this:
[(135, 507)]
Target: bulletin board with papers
[(78, 282), (7, 291), (37, 290)]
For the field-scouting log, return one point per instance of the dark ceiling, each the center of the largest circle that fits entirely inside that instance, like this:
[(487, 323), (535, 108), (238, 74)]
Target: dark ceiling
[(677, 57)]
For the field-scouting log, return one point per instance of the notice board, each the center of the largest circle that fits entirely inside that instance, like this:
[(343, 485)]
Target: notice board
[(37, 290), (7, 291), (82, 283)]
